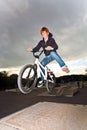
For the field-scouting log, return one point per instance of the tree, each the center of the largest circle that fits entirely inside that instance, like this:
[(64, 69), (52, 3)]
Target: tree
[(7, 82), (13, 80), (86, 71), (3, 80)]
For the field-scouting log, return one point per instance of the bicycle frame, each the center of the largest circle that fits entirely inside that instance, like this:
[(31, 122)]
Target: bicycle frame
[(39, 70)]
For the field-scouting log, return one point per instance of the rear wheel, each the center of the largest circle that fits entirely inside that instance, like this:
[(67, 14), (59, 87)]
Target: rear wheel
[(50, 83), (27, 79)]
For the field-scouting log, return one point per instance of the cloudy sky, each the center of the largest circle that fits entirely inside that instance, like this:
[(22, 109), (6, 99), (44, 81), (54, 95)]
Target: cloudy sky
[(21, 20)]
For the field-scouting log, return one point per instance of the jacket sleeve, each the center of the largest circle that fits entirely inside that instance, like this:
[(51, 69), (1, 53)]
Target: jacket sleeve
[(54, 44), (36, 49)]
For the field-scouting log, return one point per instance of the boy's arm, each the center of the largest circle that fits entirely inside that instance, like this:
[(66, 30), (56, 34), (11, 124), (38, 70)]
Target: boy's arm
[(35, 49), (49, 48), (53, 45)]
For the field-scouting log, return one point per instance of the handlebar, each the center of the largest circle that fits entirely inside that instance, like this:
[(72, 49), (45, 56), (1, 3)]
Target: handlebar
[(37, 56)]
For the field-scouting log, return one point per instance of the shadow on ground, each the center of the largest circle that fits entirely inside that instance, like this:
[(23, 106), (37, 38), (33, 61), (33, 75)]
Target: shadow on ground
[(13, 101)]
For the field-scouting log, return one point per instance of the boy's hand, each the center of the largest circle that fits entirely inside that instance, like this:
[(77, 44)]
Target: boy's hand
[(30, 49), (48, 48)]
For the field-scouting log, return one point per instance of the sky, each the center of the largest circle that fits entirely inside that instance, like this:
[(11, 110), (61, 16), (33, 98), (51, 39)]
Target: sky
[(20, 24)]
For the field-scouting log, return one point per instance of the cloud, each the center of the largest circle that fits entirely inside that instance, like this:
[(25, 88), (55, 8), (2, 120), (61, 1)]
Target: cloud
[(20, 22)]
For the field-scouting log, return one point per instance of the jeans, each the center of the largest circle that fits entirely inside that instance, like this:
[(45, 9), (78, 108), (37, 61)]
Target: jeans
[(53, 56)]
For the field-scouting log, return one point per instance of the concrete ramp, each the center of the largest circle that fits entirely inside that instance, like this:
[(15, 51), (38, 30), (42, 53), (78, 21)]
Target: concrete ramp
[(47, 116)]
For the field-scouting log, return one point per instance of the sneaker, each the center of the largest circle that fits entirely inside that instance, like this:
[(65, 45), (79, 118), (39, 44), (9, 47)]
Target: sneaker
[(65, 69), (40, 84)]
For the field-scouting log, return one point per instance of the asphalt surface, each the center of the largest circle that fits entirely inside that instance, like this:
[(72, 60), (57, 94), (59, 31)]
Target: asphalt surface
[(13, 101)]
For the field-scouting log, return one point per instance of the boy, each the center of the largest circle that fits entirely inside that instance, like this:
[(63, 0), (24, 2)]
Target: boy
[(49, 46)]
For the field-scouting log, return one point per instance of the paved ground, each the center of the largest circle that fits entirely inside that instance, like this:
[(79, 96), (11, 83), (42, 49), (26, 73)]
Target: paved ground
[(11, 102), (47, 116), (49, 109)]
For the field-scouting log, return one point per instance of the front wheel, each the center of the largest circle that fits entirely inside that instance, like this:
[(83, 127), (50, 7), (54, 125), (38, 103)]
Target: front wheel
[(27, 79)]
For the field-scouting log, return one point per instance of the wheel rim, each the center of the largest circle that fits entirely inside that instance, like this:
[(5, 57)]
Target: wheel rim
[(27, 80)]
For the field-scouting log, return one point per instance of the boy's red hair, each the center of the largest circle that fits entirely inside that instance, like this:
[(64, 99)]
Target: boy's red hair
[(44, 29)]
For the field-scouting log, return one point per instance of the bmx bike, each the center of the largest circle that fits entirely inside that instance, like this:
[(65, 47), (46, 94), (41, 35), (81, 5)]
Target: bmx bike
[(29, 76)]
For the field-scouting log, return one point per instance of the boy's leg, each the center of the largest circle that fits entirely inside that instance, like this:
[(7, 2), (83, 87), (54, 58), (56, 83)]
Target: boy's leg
[(59, 60), (47, 60)]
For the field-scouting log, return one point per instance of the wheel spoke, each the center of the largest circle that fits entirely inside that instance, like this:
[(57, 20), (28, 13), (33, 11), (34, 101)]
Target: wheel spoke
[(29, 73)]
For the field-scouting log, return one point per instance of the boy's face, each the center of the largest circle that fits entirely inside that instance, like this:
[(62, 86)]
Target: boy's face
[(45, 34)]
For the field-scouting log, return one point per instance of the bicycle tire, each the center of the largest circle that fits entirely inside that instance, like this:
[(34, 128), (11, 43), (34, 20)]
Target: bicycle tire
[(50, 83), (27, 79)]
